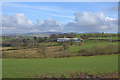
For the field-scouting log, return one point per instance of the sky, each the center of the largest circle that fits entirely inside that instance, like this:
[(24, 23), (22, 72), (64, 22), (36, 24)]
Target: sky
[(81, 17)]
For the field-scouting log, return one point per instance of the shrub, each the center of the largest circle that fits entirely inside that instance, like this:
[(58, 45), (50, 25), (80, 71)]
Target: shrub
[(60, 43), (62, 54), (6, 44), (112, 49), (65, 46), (0, 55), (86, 52), (42, 50), (61, 49), (99, 50)]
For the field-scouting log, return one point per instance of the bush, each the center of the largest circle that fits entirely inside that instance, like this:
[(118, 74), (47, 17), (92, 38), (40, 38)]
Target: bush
[(86, 52), (42, 49), (0, 54), (60, 43), (65, 46), (99, 50), (112, 49), (6, 44), (62, 54)]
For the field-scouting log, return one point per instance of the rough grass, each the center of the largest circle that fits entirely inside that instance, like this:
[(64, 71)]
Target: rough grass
[(23, 68), (51, 52)]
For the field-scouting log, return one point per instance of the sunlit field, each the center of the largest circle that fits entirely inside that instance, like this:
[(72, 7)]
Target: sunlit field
[(51, 67)]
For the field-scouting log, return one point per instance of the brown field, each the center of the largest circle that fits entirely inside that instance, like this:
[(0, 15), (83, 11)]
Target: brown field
[(52, 51)]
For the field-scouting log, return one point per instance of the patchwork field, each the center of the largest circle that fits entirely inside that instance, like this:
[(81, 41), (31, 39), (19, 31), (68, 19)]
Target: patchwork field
[(25, 68), (53, 49), (37, 57)]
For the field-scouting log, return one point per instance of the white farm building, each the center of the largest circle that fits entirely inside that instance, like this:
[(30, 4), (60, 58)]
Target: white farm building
[(69, 39)]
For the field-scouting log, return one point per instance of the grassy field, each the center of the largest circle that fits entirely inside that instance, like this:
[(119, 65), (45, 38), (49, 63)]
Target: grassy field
[(89, 44), (24, 68), (113, 38)]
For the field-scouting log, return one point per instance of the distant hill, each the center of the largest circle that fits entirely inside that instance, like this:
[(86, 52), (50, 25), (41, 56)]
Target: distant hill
[(41, 34), (45, 33), (37, 34)]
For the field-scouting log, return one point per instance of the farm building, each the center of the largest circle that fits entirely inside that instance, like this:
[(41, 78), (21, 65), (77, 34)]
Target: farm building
[(69, 39)]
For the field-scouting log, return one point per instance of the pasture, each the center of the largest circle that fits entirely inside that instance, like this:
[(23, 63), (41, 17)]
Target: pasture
[(90, 44), (27, 68), (112, 38)]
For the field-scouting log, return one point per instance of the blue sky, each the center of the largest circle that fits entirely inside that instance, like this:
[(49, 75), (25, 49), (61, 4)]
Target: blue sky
[(60, 11)]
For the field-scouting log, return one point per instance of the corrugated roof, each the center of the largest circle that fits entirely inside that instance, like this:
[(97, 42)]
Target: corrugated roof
[(68, 38)]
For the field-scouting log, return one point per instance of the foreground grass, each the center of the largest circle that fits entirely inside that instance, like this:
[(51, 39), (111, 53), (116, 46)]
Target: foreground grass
[(23, 68)]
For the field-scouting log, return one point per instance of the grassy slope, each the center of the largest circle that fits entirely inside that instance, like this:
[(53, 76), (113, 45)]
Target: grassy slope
[(89, 44), (18, 68)]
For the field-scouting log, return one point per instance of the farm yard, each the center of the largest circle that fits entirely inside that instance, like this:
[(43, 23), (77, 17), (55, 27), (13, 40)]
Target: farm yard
[(36, 57)]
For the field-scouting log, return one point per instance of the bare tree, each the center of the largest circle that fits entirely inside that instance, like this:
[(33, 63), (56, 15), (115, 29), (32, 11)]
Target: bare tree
[(53, 36), (42, 50)]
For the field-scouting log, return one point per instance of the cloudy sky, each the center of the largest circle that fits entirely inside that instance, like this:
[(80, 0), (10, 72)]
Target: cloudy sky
[(25, 17)]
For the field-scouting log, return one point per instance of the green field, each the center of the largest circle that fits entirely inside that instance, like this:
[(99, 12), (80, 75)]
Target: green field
[(113, 38), (24, 68), (89, 44)]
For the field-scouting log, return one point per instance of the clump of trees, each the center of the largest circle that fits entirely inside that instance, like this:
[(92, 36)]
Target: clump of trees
[(31, 42), (67, 35), (65, 46)]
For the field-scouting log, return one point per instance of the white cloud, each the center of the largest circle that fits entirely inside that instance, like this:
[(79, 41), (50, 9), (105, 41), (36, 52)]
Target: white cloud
[(52, 30), (108, 18), (47, 25), (17, 20), (17, 23), (84, 22), (71, 17), (35, 30), (92, 22)]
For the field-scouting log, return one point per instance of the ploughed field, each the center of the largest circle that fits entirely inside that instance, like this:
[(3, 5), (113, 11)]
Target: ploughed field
[(53, 67)]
